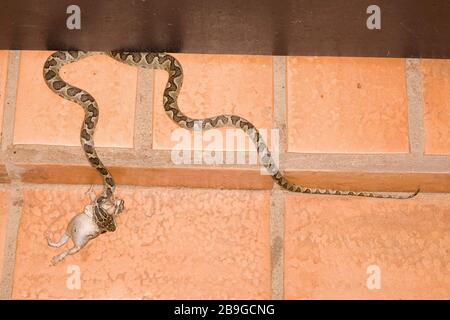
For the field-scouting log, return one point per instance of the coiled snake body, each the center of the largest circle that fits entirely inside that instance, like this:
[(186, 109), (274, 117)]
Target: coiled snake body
[(168, 63)]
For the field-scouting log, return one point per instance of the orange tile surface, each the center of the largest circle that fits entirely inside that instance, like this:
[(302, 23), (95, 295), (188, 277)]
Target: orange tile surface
[(331, 241), (3, 74), (4, 198), (347, 105), (169, 244), (213, 85), (214, 178), (370, 181), (436, 86), (42, 117)]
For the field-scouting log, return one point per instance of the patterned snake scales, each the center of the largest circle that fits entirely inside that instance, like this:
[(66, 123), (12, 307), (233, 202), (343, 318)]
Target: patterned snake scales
[(168, 63)]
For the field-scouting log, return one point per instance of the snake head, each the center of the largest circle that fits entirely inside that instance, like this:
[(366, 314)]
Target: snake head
[(111, 211)]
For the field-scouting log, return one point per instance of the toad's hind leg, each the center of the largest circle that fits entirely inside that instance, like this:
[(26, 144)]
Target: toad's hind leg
[(60, 257), (62, 241)]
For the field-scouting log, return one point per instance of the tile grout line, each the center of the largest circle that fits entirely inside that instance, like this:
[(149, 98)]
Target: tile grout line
[(10, 99), (143, 125), (51, 154), (280, 100), (276, 196), (415, 107), (12, 229), (277, 243), (15, 194)]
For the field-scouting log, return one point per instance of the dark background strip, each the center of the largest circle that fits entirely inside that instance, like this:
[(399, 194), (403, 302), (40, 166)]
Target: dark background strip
[(409, 28)]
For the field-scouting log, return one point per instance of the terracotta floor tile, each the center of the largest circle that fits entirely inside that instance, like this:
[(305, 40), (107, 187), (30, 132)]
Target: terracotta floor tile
[(169, 244), (4, 199), (3, 73), (347, 105), (44, 118), (214, 178), (436, 86), (213, 85), (331, 241)]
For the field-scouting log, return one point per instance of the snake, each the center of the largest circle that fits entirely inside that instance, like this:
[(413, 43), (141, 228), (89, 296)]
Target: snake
[(173, 67)]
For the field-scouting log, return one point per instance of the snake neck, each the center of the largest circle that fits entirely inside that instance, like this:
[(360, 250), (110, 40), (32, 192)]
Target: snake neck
[(65, 90)]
